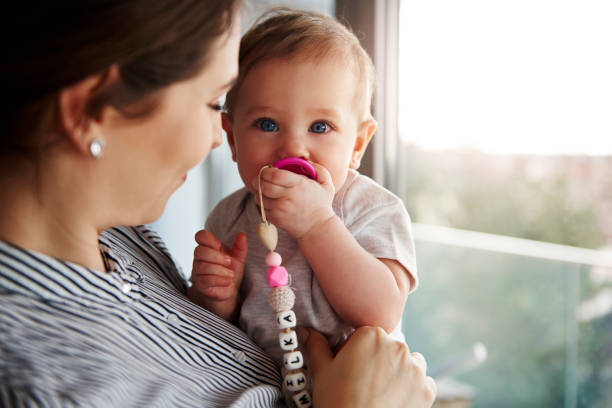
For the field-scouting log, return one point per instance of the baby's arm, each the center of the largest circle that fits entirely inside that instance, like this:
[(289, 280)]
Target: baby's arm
[(217, 274), (362, 289)]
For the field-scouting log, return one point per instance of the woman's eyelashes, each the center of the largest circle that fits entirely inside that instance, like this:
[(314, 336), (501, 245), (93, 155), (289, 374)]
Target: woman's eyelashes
[(217, 105)]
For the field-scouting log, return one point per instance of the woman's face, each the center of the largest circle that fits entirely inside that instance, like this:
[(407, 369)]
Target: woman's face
[(148, 158)]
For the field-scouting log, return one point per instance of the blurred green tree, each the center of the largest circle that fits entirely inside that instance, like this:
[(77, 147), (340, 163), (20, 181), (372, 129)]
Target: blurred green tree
[(517, 306)]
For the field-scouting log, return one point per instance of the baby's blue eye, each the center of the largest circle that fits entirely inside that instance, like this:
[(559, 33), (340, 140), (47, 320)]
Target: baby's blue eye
[(318, 127), (267, 125)]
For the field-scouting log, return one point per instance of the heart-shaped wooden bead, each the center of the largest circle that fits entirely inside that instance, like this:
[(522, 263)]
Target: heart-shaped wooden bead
[(268, 235)]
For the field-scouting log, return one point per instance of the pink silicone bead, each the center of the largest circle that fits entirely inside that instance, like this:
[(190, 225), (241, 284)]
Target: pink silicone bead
[(273, 259), (277, 276)]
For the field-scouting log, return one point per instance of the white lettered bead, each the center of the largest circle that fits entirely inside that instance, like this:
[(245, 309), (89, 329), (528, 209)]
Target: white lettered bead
[(302, 399), (293, 360), (288, 341), (286, 319), (295, 382)]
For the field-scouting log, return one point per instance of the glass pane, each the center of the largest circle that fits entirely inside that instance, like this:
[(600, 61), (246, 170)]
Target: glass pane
[(523, 76), (505, 117), (510, 331)]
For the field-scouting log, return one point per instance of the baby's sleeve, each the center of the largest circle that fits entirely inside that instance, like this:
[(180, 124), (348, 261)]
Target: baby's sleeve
[(221, 221), (381, 225)]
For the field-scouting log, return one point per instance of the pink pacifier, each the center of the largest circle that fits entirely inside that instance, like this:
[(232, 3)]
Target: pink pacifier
[(298, 166)]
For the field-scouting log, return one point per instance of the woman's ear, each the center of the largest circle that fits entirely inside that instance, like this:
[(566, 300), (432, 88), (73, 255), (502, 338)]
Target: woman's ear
[(72, 104), (364, 135), (226, 123)]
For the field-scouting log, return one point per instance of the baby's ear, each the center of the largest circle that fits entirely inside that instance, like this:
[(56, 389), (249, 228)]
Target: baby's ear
[(364, 135), (227, 125)]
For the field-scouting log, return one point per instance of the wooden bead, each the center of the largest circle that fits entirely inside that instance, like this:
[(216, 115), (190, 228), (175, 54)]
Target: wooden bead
[(302, 399), (268, 235), (295, 381), (286, 319), (293, 360), (281, 298), (288, 341)]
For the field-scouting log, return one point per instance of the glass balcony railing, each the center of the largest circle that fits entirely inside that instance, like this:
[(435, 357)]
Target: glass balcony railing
[(506, 322)]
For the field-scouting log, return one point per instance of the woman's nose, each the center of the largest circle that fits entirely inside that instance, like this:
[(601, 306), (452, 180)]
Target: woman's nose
[(217, 134), (218, 138)]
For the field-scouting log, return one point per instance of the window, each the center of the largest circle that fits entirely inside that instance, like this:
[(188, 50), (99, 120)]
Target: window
[(504, 126)]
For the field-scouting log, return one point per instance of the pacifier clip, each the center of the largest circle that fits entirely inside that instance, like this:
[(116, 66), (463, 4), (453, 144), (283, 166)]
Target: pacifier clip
[(281, 297)]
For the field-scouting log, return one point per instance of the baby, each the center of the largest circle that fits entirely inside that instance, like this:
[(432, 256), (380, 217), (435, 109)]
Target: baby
[(304, 90)]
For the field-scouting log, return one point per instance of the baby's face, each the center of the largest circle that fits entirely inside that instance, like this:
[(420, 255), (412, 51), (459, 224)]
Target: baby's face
[(300, 108)]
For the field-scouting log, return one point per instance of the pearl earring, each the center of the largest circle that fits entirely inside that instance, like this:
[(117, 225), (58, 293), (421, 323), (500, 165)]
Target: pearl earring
[(96, 148)]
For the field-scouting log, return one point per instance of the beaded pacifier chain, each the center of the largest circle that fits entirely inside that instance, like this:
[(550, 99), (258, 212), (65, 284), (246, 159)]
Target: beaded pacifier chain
[(281, 297)]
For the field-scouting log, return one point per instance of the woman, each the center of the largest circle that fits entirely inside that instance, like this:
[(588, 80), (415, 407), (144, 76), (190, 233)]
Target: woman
[(112, 103)]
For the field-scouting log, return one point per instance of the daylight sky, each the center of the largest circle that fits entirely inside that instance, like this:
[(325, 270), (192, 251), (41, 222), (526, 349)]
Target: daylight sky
[(507, 76)]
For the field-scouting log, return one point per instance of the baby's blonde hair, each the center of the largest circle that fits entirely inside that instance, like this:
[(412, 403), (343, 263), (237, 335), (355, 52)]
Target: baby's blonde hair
[(288, 33)]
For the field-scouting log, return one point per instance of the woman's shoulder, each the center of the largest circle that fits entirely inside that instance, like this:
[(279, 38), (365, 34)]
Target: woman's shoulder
[(130, 238)]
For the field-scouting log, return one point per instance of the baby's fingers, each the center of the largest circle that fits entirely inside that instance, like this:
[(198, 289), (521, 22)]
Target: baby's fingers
[(213, 281), (278, 177), (210, 255), (206, 238), (214, 287), (271, 190), (210, 269), (219, 293), (207, 281)]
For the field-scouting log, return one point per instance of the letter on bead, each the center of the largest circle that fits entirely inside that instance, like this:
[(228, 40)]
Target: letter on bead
[(295, 382), (288, 341), (302, 399), (293, 360), (286, 319)]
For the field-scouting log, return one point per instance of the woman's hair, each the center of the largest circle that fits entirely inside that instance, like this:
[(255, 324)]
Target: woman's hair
[(54, 44), (287, 33)]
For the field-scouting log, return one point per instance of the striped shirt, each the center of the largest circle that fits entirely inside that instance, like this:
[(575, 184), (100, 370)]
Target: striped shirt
[(72, 336)]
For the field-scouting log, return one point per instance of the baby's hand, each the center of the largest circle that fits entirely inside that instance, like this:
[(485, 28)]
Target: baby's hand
[(217, 274), (294, 202)]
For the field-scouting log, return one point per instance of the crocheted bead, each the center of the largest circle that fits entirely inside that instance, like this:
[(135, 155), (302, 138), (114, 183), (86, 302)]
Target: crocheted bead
[(286, 319), (273, 259), (288, 341), (277, 276), (293, 360), (295, 381), (281, 298), (302, 399)]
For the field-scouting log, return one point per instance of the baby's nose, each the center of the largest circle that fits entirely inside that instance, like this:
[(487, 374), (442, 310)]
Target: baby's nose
[(293, 146)]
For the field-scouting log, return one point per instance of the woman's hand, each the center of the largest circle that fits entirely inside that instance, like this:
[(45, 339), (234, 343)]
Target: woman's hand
[(217, 274), (370, 370)]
